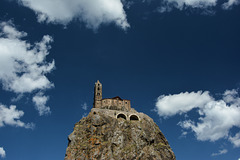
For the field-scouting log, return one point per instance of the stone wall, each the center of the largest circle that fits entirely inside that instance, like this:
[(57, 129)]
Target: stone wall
[(129, 115), (116, 104)]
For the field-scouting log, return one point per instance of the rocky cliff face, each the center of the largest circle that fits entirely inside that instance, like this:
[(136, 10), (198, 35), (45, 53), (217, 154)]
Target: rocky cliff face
[(100, 136)]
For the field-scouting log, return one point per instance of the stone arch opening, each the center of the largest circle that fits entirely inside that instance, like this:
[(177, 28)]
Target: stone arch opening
[(134, 118), (121, 116)]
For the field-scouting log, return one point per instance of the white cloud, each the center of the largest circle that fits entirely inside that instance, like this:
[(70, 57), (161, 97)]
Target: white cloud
[(231, 96), (40, 102), (216, 117), (10, 116), (2, 152), (84, 106), (235, 140), (193, 3), (23, 66), (230, 3), (220, 152), (92, 12), (167, 5), (181, 103), (15, 99)]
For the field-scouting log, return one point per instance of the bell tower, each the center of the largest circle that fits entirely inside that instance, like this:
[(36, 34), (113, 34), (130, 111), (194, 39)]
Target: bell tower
[(97, 95)]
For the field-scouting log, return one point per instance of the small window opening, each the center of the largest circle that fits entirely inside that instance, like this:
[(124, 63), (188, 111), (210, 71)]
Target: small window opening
[(134, 118), (122, 116)]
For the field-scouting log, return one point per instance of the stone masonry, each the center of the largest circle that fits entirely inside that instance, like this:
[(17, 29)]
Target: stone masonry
[(115, 103), (114, 107)]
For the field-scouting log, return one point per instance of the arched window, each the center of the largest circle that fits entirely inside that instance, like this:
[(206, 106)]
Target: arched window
[(121, 116), (134, 118)]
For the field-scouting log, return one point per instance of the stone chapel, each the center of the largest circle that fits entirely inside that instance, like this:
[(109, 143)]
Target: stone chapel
[(115, 103)]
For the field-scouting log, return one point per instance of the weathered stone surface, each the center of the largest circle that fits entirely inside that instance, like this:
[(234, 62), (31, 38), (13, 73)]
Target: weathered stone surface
[(100, 136)]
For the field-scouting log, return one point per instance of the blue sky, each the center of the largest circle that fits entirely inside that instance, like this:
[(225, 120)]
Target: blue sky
[(177, 61)]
